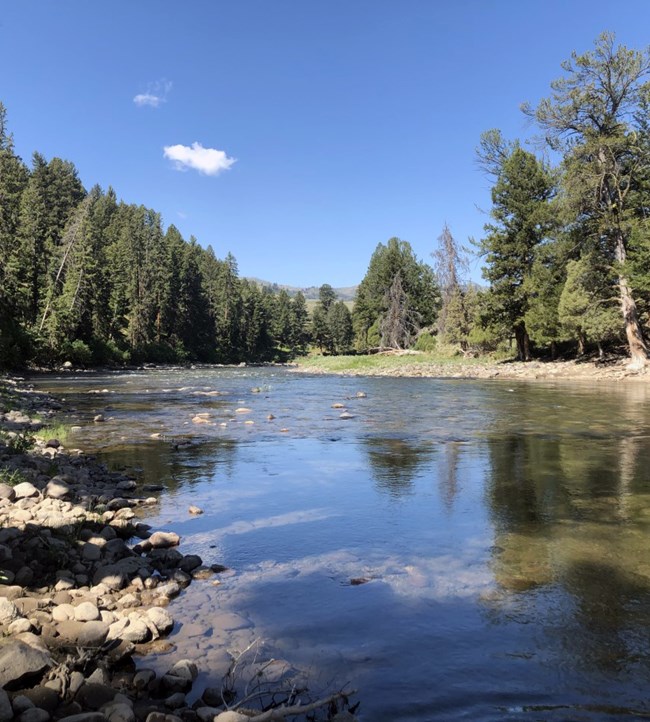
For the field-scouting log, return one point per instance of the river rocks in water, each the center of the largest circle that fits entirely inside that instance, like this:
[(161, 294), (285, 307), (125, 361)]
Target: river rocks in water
[(338, 406), (161, 619), (196, 510), (190, 562), (20, 661), (361, 394), (162, 540), (346, 415), (99, 418), (243, 410)]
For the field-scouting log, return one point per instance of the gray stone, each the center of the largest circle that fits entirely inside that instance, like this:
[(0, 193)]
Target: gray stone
[(195, 510), (8, 611), (6, 710), (7, 492), (175, 701), (86, 612), (21, 703), (162, 539), (168, 590), (174, 683), (190, 562), (161, 619), (43, 697), (24, 576), (63, 612), (185, 668), (118, 712), (56, 488), (84, 634), (143, 678), (94, 696), (112, 576), (85, 717), (35, 714), (231, 716), (19, 626), (25, 490), (20, 661)]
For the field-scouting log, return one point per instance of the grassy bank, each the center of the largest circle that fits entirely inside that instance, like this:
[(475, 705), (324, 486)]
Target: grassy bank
[(385, 363)]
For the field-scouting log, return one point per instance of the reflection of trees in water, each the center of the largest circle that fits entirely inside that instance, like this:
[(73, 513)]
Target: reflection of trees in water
[(395, 463), (448, 473), (162, 462), (573, 512)]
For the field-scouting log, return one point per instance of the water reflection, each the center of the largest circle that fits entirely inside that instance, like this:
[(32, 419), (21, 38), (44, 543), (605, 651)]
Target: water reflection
[(395, 463)]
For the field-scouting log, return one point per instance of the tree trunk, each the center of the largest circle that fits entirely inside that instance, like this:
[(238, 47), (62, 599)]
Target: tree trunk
[(522, 341), (581, 343), (553, 350), (635, 340)]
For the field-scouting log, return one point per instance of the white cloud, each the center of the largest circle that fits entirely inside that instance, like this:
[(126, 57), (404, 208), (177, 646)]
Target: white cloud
[(155, 95), (208, 161)]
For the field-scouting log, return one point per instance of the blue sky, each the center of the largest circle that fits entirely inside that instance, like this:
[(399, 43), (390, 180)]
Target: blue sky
[(323, 128)]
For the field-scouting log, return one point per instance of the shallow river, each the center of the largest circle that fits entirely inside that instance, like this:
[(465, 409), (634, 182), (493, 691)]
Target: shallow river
[(504, 529)]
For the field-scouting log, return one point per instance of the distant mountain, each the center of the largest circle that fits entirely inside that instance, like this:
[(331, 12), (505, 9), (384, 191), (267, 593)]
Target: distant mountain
[(310, 293)]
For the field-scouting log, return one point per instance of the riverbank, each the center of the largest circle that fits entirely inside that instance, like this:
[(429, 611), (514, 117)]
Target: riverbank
[(85, 584), (414, 364)]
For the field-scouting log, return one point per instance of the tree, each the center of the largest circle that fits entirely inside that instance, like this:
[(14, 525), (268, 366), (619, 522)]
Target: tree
[(450, 262), (299, 318), (522, 215), (339, 323), (586, 307), (326, 296), (590, 118), (417, 281)]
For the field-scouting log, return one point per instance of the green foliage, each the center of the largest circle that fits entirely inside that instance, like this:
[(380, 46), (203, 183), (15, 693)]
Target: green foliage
[(12, 477), (420, 292), (426, 342)]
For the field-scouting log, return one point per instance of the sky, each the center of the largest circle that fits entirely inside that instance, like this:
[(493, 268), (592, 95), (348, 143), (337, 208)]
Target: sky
[(295, 134)]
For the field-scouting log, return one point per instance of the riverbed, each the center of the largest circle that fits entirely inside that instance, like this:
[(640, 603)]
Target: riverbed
[(453, 549)]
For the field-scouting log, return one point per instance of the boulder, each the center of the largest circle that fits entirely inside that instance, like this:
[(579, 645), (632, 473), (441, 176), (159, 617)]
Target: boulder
[(25, 490), (8, 611), (21, 662), (56, 488), (6, 710), (84, 634), (164, 539), (86, 612)]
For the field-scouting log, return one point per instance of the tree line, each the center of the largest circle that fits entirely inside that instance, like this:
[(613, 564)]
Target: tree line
[(566, 255)]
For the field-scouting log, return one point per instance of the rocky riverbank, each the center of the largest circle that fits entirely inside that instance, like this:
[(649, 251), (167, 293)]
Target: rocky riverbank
[(84, 586), (412, 365)]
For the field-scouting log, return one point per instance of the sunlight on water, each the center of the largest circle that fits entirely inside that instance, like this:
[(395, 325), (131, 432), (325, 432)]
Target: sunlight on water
[(456, 550)]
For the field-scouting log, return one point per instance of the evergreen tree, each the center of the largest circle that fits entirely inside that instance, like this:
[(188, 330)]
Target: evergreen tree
[(339, 325), (373, 295), (522, 215), (299, 319), (592, 118)]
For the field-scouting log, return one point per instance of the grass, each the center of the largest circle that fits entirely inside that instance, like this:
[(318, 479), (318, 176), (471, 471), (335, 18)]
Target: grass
[(53, 431), (341, 364), (11, 476)]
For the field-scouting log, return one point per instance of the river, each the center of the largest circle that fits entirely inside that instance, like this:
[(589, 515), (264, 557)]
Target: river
[(453, 549)]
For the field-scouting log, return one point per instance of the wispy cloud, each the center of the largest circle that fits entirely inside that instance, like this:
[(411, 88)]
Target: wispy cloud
[(155, 95), (208, 161)]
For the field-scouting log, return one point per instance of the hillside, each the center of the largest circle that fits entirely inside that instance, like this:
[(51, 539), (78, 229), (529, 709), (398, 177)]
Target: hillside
[(346, 293)]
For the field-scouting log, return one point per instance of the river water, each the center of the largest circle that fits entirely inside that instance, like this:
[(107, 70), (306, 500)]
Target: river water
[(501, 529)]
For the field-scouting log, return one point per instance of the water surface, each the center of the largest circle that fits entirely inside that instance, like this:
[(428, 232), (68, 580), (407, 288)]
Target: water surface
[(503, 527)]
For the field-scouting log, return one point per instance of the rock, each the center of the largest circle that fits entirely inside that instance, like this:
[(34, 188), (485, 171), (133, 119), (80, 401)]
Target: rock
[(195, 510), (20, 662), (346, 415), (86, 612), (136, 631), (161, 619), (6, 710), (56, 488), (190, 562), (361, 394), (172, 683), (91, 552), (185, 668), (25, 490), (67, 365), (52, 443), (162, 717), (95, 696), (63, 612), (175, 701), (231, 716), (85, 717), (164, 539), (143, 678), (7, 492), (99, 418), (110, 575), (168, 590), (118, 712), (8, 611), (21, 704), (42, 697), (207, 714), (84, 634), (20, 626), (35, 714)]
